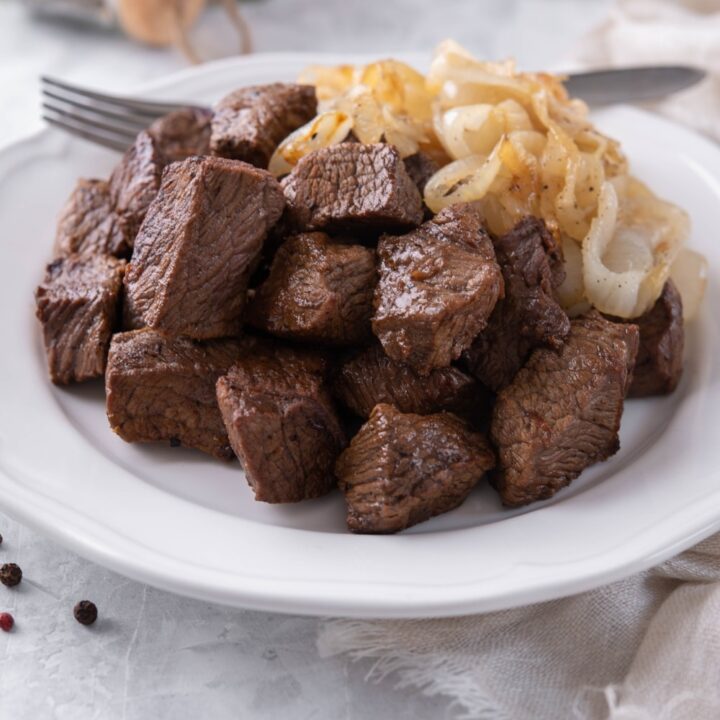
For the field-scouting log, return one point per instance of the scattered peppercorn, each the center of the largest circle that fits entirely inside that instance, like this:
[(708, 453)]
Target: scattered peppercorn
[(6, 622), (85, 612), (10, 575), (0, 539)]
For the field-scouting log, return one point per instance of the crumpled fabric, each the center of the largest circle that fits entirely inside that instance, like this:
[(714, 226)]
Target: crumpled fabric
[(644, 648), (654, 32)]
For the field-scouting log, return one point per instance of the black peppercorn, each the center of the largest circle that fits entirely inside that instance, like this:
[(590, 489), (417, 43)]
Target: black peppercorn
[(85, 612), (0, 539), (10, 574)]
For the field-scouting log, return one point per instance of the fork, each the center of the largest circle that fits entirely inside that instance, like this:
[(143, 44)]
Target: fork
[(115, 121), (108, 120)]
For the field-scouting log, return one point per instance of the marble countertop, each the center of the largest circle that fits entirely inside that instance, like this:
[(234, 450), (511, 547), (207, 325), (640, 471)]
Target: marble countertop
[(152, 654)]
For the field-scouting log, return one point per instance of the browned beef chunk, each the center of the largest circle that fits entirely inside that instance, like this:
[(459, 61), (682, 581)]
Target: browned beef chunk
[(562, 411), (528, 316), (281, 423), (420, 167), (662, 338), (318, 290), (134, 183), (370, 377), (136, 179), (438, 285), (88, 223), (162, 389), (251, 122), (198, 245), (350, 187), (402, 469), (77, 304), (182, 134)]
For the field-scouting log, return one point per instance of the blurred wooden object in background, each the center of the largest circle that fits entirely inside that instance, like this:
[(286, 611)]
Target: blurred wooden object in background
[(161, 23), (158, 22), (167, 22)]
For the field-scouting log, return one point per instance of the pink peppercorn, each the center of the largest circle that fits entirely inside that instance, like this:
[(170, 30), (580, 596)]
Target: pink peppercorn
[(6, 622)]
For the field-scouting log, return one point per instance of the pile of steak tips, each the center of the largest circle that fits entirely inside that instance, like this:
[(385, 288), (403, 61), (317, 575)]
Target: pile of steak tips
[(327, 330)]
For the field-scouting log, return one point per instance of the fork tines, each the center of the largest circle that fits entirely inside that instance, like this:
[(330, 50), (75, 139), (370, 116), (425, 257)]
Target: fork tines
[(107, 120)]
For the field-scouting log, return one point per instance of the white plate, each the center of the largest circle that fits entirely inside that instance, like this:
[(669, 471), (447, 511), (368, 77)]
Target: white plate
[(184, 522)]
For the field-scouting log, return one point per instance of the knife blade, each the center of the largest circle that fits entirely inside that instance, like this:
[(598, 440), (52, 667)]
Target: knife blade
[(633, 84)]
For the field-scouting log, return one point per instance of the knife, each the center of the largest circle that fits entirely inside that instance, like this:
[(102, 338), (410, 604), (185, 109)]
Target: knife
[(633, 84)]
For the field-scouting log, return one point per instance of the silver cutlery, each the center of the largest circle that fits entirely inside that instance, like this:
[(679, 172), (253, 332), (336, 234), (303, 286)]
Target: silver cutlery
[(113, 121), (632, 84)]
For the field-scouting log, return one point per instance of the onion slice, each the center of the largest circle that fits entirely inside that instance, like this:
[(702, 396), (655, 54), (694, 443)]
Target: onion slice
[(463, 180), (329, 128), (629, 249), (689, 273)]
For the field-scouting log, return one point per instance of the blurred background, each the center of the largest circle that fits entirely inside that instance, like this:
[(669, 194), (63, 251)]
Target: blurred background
[(90, 41)]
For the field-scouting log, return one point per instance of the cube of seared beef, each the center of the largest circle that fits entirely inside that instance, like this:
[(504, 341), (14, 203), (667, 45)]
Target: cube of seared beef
[(198, 245), (88, 224), (182, 134), (659, 362), (369, 377), (401, 469), (562, 411), (529, 315), (421, 167), (162, 389), (134, 183), (438, 285), (318, 291), (282, 424), (78, 305), (250, 123), (136, 179), (352, 187)]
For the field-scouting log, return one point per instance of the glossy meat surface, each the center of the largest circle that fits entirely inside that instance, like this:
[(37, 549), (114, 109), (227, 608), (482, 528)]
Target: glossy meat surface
[(162, 389), (438, 285), (529, 315), (198, 245), (281, 423), (401, 469), (562, 411), (352, 187), (182, 134), (77, 304), (317, 291), (369, 377), (249, 123), (136, 179), (88, 223), (659, 363)]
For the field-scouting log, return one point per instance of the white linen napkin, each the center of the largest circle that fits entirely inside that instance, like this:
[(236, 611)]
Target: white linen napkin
[(645, 648), (650, 32)]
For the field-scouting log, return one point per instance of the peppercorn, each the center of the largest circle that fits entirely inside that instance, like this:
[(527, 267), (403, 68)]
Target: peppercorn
[(85, 612), (0, 539), (6, 622), (10, 575)]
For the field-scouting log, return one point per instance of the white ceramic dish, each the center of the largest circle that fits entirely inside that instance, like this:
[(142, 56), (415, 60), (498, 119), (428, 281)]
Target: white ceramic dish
[(184, 522)]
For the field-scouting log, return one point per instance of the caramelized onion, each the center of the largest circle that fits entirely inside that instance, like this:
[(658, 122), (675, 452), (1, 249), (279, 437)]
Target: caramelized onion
[(515, 144), (689, 273)]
